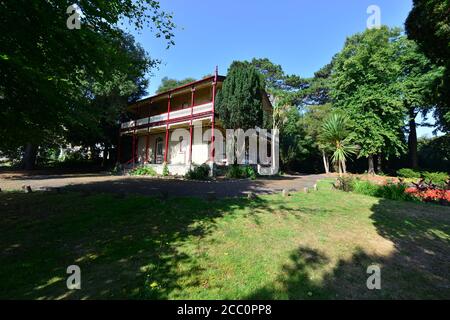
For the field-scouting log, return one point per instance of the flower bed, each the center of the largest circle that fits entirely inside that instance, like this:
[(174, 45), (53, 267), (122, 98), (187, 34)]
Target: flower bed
[(428, 194), (422, 191)]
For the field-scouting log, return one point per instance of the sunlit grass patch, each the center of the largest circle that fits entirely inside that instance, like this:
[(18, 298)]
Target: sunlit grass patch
[(306, 246)]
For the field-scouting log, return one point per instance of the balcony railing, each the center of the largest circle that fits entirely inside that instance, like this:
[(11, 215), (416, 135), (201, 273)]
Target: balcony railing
[(200, 109)]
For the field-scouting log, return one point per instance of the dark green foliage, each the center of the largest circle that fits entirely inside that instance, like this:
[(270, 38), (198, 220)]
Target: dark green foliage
[(394, 191), (365, 88), (428, 23), (292, 89), (295, 144), (273, 74), (434, 153), (316, 90), (59, 85), (198, 173), (239, 103), (241, 172), (408, 173), (417, 81), (168, 84)]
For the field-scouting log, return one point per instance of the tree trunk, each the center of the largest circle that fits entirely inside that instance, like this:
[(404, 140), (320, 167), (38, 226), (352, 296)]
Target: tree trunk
[(29, 157), (412, 139), (371, 165), (380, 164), (344, 167), (326, 164)]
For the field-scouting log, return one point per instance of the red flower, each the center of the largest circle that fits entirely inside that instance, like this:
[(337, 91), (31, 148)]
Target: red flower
[(430, 195)]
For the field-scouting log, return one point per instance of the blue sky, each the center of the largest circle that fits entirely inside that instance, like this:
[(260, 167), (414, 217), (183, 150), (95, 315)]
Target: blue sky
[(300, 35)]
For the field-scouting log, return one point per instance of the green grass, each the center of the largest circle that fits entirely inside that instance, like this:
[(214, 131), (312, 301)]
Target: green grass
[(307, 246)]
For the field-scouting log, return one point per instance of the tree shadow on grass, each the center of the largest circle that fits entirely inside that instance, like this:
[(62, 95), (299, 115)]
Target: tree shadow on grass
[(127, 246), (417, 268)]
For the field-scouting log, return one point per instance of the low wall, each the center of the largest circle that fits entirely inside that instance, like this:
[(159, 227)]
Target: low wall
[(174, 169)]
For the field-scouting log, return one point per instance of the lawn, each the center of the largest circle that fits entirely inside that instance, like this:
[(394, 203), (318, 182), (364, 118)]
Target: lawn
[(306, 246)]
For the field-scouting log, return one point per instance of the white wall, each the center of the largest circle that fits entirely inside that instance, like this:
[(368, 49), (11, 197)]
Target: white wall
[(177, 155)]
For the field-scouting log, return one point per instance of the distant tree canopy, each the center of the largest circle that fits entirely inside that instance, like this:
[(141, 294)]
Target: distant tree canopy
[(239, 103), (381, 80), (283, 87), (54, 79), (168, 84), (429, 24)]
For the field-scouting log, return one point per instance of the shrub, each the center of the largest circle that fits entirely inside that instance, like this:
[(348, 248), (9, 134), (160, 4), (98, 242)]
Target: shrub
[(233, 172), (249, 172), (241, 172), (408, 173), (198, 173), (143, 171), (165, 171), (364, 187), (394, 191), (345, 183), (438, 178)]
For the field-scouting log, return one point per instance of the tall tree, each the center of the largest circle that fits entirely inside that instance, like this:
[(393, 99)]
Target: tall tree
[(363, 85), (239, 103), (48, 71), (168, 84), (300, 106), (429, 24), (96, 122), (417, 84)]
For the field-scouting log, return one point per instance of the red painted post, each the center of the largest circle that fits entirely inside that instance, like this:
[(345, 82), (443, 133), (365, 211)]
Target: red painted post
[(213, 115), (147, 141), (167, 130), (134, 137), (191, 124)]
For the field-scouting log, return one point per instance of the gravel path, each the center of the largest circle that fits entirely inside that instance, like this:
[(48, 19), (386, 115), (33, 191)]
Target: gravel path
[(156, 186)]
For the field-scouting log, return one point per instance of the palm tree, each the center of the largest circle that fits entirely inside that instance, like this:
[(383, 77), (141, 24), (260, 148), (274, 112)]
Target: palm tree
[(336, 135)]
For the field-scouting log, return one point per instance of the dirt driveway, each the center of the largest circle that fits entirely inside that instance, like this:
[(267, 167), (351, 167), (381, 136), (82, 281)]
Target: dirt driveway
[(103, 182)]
